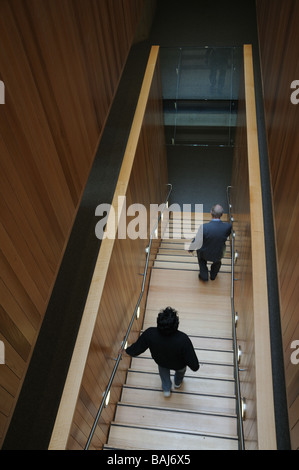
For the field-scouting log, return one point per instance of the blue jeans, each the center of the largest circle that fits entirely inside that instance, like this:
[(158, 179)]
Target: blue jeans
[(165, 377)]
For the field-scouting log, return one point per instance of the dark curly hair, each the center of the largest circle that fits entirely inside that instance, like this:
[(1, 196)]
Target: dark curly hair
[(168, 321)]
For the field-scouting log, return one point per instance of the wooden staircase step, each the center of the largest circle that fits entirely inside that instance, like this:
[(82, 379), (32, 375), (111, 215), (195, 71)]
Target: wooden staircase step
[(202, 322), (123, 436), (191, 384), (151, 416), (185, 258), (188, 291), (178, 251), (179, 265), (186, 266), (186, 301), (212, 343), (173, 248), (201, 317), (206, 369), (179, 400)]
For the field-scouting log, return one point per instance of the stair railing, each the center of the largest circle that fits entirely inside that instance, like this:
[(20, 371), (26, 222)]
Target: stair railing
[(118, 359), (240, 402)]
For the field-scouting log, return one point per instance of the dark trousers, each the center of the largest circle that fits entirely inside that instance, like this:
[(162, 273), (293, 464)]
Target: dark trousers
[(203, 269), (165, 377)]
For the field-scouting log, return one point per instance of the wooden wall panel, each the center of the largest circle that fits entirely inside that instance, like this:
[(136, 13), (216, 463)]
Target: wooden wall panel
[(279, 37), (117, 281), (243, 299), (60, 61), (251, 297)]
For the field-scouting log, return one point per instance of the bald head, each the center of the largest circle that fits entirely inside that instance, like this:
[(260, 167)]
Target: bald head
[(216, 211)]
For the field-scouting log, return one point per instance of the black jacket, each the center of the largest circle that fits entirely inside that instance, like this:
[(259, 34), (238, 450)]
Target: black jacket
[(215, 234), (173, 351)]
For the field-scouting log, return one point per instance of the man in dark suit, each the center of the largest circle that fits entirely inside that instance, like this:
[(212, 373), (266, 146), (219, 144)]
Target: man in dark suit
[(212, 236)]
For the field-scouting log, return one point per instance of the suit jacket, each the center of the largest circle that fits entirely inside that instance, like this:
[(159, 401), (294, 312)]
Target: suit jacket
[(214, 236)]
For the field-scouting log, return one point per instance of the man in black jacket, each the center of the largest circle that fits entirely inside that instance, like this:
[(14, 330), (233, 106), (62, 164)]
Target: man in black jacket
[(210, 243), (169, 347)]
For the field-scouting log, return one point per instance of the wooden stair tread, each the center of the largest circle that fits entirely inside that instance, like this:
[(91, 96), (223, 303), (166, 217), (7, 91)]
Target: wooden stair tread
[(188, 294), (179, 252), (192, 384), (179, 399), (218, 324), (176, 419), (179, 265), (137, 437), (190, 310), (213, 343), (190, 283), (181, 411), (184, 258)]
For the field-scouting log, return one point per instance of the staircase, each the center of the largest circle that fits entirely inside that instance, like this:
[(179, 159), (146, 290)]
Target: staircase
[(202, 413)]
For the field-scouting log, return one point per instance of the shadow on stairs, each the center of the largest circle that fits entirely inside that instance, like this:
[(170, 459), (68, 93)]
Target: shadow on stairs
[(201, 415)]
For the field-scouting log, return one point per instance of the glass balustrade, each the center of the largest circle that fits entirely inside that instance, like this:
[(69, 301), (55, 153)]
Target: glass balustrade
[(200, 88)]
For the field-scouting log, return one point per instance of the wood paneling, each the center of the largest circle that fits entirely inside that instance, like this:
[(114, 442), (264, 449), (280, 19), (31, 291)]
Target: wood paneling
[(60, 61), (251, 299), (263, 364), (243, 299), (117, 280), (279, 37)]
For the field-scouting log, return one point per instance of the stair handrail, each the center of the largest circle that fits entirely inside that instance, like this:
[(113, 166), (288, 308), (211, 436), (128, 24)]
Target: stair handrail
[(118, 359), (234, 330)]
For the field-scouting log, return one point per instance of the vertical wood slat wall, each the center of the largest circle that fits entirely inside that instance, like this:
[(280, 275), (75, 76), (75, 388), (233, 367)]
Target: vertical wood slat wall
[(251, 299), (117, 280), (279, 39), (61, 62), (243, 273)]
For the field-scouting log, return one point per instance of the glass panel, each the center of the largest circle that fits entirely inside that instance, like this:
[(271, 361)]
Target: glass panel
[(170, 62), (200, 94)]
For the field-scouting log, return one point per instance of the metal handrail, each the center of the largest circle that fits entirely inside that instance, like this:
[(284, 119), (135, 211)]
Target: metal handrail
[(235, 346), (118, 359)]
